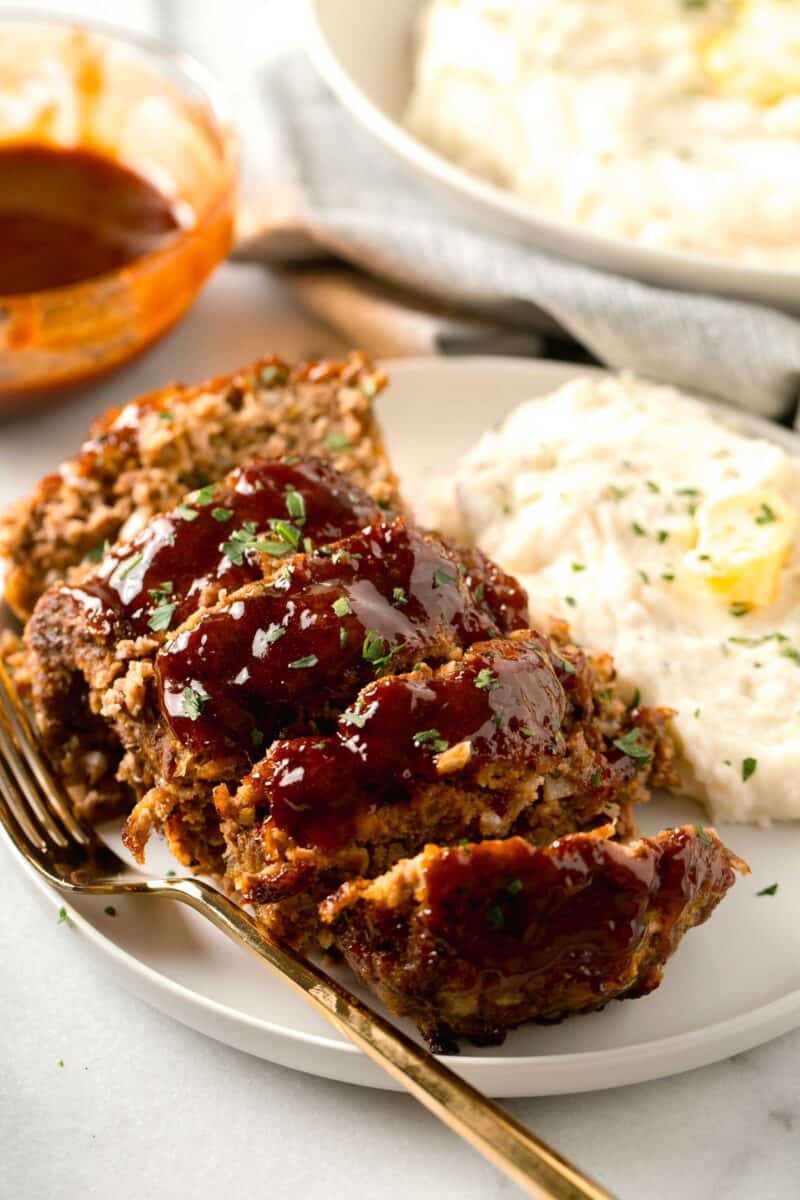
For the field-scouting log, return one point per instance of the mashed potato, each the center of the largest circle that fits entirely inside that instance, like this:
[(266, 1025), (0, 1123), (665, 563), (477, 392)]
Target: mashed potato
[(674, 123), (670, 540)]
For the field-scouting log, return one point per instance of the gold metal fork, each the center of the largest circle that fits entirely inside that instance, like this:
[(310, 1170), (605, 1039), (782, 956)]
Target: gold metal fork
[(41, 826)]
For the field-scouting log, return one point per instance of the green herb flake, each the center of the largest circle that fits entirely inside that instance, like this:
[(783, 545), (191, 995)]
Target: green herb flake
[(668, 576), (687, 491), (193, 703), (645, 578), (514, 887), (300, 664), (701, 833), (274, 375), (526, 729), (766, 515), (355, 718), (595, 780), (566, 666), (296, 506), (63, 916), (768, 891), (792, 653), (110, 911), (222, 514), (170, 874), (166, 415), (748, 768), (578, 566), (739, 610), (343, 637), (205, 496), (652, 486), (342, 607), (634, 701), (432, 738), (637, 529), (631, 744), (337, 442), (161, 617), (486, 680), (374, 647), (188, 513), (98, 552), (496, 918), (441, 579), (60, 1062), (256, 739), (399, 596), (662, 535), (571, 601), (139, 558)]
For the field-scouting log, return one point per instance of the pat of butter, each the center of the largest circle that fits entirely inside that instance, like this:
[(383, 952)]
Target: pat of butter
[(743, 542), (755, 53)]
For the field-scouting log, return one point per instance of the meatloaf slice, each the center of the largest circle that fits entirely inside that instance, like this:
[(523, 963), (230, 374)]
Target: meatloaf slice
[(472, 941), (92, 646), (141, 459), (515, 736)]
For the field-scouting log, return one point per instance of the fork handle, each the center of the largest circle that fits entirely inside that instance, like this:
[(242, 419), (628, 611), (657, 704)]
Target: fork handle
[(538, 1170)]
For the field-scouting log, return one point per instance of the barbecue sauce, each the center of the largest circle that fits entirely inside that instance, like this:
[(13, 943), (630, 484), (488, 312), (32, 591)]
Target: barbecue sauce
[(70, 215)]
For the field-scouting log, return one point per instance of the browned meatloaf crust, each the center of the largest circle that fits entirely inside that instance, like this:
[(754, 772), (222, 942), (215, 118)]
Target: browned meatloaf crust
[(474, 940), (519, 735), (140, 460)]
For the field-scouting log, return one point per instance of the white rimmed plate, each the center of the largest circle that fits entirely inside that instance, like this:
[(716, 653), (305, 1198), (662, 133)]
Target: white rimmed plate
[(733, 984), (365, 52)]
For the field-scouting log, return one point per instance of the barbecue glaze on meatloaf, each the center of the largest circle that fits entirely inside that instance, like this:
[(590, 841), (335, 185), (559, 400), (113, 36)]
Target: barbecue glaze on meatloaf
[(471, 941), (142, 458), (515, 736)]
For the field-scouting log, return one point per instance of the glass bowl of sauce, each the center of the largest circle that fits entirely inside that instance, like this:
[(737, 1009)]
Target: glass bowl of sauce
[(117, 190)]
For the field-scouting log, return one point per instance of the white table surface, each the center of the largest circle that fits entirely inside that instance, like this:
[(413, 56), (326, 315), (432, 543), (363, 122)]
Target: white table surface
[(143, 1106)]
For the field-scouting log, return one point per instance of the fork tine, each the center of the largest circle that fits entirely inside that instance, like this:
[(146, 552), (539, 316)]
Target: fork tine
[(16, 816), (48, 797), (23, 791)]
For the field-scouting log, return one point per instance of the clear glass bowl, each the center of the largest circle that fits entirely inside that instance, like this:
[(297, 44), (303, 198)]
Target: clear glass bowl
[(78, 86)]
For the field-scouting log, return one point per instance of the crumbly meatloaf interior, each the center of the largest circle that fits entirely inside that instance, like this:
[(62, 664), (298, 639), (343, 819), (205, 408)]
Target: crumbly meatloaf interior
[(518, 735), (472, 941), (140, 460)]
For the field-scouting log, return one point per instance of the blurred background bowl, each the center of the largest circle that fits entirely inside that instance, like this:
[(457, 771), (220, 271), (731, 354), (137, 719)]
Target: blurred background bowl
[(76, 86)]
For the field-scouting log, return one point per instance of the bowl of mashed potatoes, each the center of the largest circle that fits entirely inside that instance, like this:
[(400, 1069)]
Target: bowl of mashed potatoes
[(659, 140)]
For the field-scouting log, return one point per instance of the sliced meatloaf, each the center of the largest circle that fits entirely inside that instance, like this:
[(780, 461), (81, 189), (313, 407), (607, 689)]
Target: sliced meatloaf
[(472, 941), (518, 735), (142, 458)]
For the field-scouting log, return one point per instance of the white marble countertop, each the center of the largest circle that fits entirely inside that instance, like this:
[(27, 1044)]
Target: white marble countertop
[(143, 1106)]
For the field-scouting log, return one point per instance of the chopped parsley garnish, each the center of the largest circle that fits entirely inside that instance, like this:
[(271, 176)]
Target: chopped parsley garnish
[(273, 375), (374, 647), (514, 887), (441, 579), (595, 780), (296, 506), (526, 729), (337, 441), (355, 718), (792, 653), (162, 591), (687, 491), (369, 387), (63, 915), (748, 768), (170, 874), (739, 610), (97, 553), (161, 617), (668, 576), (399, 596), (222, 514), (131, 565), (308, 545), (60, 1062), (256, 739), (266, 637), (193, 703), (240, 540), (299, 664), (110, 911), (645, 578), (166, 415), (206, 495), (637, 529), (662, 535), (579, 566), (343, 637), (486, 680), (570, 600), (606, 695), (342, 606), (286, 531), (631, 744), (768, 891), (616, 493), (188, 513), (317, 745), (634, 701), (652, 485), (701, 833), (566, 666), (496, 918), (432, 738), (766, 515)]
